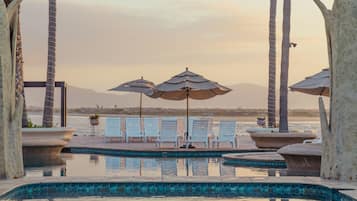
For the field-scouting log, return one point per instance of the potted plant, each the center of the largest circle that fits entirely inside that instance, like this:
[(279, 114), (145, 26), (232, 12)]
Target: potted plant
[(94, 119)]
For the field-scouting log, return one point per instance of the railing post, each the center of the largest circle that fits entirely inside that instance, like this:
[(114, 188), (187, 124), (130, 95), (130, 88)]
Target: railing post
[(63, 87), (64, 105)]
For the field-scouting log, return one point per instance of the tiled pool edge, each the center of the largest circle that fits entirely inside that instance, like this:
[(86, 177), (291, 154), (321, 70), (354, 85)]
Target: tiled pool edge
[(255, 163), (195, 186), (157, 153)]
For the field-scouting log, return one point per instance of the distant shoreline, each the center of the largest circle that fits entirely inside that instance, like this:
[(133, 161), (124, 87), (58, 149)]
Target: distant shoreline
[(181, 112)]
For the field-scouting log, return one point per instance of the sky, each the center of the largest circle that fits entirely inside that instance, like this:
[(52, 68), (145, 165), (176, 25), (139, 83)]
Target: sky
[(102, 43)]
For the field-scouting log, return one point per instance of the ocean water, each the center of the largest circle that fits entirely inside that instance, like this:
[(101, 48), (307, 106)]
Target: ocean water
[(83, 127)]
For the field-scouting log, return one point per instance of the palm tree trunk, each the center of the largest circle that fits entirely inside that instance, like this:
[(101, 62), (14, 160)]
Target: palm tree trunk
[(51, 62), (283, 121), (272, 64), (20, 74)]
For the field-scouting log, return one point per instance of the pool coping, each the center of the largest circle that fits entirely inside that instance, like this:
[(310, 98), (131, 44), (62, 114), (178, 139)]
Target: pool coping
[(252, 159), (348, 189)]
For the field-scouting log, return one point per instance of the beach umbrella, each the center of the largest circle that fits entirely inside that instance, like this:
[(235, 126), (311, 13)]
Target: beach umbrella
[(138, 86), (318, 84), (188, 85)]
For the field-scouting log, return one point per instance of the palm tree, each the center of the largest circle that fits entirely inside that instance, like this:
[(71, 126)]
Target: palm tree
[(283, 122), (272, 64), (19, 69), (51, 62)]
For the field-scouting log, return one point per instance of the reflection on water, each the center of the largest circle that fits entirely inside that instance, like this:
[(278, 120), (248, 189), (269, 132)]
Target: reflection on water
[(98, 165)]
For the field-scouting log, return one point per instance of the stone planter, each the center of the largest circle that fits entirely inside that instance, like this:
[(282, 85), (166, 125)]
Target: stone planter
[(276, 140), (94, 121), (43, 146), (263, 130), (48, 133), (39, 153), (302, 159)]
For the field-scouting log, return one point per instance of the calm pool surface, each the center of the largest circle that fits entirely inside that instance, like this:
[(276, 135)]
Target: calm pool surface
[(97, 165)]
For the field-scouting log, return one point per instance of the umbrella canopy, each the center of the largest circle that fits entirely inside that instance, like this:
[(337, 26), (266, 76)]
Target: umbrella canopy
[(139, 86), (318, 84), (189, 85)]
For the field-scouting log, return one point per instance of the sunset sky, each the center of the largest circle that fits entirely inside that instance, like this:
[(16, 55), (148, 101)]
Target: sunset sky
[(101, 43)]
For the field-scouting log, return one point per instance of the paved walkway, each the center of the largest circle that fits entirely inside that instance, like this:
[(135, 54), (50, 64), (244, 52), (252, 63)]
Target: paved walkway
[(244, 142)]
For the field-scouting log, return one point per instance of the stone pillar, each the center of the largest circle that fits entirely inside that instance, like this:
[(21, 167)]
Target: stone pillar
[(339, 158)]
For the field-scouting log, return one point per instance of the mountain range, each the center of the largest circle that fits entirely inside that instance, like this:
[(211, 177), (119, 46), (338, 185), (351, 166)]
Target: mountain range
[(242, 96)]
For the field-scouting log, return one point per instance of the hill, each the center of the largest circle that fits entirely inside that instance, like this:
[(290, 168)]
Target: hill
[(242, 96)]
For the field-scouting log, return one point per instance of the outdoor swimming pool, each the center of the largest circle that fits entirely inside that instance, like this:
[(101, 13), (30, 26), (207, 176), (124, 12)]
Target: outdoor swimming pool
[(175, 191), (85, 165)]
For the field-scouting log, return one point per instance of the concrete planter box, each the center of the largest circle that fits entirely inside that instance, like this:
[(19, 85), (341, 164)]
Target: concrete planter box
[(276, 140), (263, 130), (94, 121), (48, 133), (302, 159), (43, 146), (38, 153)]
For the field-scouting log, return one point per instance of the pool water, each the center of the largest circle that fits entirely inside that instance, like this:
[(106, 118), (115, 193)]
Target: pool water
[(171, 199), (85, 165)]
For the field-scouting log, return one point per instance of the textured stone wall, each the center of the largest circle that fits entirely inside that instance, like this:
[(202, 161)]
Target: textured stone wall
[(11, 163), (339, 159)]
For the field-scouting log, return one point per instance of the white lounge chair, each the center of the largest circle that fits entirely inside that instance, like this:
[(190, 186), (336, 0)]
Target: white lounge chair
[(112, 164), (227, 170), (199, 166), (190, 122), (132, 164), (151, 127), (169, 167), (168, 132), (227, 133), (199, 132), (133, 128), (150, 163), (112, 128)]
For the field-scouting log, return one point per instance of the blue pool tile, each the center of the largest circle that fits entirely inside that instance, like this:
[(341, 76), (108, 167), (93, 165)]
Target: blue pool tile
[(267, 190)]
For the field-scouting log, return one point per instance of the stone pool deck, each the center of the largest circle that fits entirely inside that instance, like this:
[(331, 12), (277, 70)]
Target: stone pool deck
[(349, 189)]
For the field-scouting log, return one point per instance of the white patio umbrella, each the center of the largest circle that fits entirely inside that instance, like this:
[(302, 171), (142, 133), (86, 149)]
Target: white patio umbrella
[(189, 85), (318, 84), (139, 86)]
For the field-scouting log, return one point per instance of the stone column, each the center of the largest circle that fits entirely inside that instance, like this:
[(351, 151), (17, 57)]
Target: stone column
[(339, 158)]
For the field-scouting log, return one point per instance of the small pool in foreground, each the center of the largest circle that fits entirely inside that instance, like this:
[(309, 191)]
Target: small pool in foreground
[(87, 165), (173, 199), (159, 191)]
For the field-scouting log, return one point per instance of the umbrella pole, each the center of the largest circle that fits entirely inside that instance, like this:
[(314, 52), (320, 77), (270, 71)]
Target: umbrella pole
[(141, 103), (187, 121), (187, 145)]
